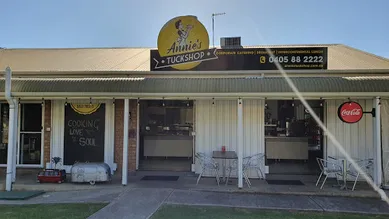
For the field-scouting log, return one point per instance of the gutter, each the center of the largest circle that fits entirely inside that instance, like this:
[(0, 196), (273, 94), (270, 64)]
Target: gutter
[(232, 95), (262, 73)]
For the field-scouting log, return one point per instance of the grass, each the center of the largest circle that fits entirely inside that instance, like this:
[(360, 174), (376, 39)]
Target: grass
[(49, 211), (189, 212)]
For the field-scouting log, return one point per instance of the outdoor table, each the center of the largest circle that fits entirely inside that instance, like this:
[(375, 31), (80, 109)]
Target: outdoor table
[(224, 155), (344, 162)]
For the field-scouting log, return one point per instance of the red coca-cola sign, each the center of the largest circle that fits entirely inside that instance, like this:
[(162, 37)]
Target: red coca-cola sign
[(350, 112)]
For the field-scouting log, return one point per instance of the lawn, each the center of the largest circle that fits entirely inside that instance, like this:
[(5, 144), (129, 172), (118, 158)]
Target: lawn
[(49, 211), (189, 212)]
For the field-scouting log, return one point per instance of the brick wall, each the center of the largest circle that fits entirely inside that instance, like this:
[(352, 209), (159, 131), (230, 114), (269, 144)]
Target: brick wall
[(119, 119), (46, 144)]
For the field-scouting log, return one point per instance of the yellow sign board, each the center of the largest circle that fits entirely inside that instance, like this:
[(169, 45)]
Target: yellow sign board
[(183, 43), (85, 108)]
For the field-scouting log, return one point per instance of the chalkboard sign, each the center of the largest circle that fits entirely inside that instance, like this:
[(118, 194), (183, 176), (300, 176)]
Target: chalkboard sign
[(84, 133)]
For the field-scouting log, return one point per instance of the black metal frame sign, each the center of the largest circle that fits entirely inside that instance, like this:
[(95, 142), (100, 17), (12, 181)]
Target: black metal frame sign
[(84, 135), (299, 58)]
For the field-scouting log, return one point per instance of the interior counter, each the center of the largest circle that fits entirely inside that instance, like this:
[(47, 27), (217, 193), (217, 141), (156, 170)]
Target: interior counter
[(291, 148), (167, 146)]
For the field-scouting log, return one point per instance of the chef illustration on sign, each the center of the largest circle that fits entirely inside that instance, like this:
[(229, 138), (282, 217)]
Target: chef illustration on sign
[(182, 33)]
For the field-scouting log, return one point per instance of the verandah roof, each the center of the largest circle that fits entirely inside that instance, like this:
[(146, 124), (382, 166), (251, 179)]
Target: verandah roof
[(86, 86)]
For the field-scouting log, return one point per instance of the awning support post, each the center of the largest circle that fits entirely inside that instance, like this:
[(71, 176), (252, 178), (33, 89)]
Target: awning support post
[(240, 143), (125, 141), (11, 160), (16, 117), (377, 142)]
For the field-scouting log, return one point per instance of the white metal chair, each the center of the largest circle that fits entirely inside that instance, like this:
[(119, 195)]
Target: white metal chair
[(234, 167), (250, 162), (365, 164), (328, 168), (255, 162), (207, 163)]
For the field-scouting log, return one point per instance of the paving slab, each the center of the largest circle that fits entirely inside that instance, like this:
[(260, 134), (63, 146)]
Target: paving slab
[(352, 205), (137, 203), (19, 195), (243, 200), (86, 196)]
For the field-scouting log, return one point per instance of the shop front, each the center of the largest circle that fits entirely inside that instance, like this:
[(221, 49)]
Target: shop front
[(148, 109)]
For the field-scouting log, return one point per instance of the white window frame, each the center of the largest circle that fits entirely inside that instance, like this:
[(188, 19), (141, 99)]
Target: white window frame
[(41, 165)]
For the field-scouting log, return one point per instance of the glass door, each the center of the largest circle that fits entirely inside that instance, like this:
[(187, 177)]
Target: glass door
[(30, 147)]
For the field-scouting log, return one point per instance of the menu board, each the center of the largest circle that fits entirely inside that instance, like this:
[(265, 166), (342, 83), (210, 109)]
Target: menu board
[(84, 133)]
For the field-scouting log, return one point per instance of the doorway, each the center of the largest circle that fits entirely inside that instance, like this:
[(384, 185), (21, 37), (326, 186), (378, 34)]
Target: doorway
[(293, 139), (166, 140)]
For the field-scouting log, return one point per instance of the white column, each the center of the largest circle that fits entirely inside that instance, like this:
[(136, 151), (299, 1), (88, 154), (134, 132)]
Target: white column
[(16, 140), (240, 143), (125, 142), (137, 134), (11, 148), (377, 142)]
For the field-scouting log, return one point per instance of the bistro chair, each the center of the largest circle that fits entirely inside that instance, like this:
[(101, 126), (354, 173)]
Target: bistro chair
[(328, 168), (365, 164), (256, 162), (207, 163), (234, 167)]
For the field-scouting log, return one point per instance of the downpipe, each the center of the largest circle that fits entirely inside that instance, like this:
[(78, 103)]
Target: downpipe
[(11, 129)]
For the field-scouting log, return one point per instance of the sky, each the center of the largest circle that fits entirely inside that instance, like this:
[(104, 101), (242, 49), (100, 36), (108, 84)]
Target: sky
[(362, 24)]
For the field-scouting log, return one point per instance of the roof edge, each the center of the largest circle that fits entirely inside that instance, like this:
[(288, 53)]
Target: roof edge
[(367, 53), (141, 47)]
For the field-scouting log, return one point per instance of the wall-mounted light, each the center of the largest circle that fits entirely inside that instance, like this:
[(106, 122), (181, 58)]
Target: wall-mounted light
[(187, 104), (265, 102), (292, 101), (19, 102), (43, 101), (321, 101), (66, 101), (113, 101), (90, 101), (163, 101), (213, 101), (240, 100), (138, 102)]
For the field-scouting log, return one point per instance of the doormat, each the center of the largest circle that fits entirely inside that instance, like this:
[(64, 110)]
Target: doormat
[(285, 182), (19, 195), (160, 178)]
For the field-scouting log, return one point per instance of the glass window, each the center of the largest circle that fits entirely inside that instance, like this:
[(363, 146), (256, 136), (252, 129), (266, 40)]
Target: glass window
[(171, 117), (31, 117), (30, 146), (4, 110)]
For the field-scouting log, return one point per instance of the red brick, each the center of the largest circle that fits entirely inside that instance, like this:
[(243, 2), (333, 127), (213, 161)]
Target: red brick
[(46, 144), (118, 151)]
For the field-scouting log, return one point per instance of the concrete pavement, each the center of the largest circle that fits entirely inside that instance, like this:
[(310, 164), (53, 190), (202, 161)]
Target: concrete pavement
[(143, 202), (134, 203)]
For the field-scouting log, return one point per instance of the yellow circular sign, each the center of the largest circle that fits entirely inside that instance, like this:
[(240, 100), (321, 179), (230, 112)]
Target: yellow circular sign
[(182, 35), (86, 108)]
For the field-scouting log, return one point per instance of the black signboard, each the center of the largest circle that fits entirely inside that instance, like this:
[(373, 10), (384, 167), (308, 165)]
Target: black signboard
[(84, 136), (300, 58)]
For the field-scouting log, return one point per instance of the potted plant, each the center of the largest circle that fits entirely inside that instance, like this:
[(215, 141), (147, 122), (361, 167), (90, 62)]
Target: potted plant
[(55, 160)]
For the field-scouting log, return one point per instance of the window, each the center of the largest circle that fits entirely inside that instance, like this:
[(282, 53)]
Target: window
[(30, 146), (4, 110)]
